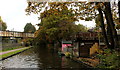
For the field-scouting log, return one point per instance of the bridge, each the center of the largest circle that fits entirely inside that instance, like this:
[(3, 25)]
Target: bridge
[(16, 34), (87, 36)]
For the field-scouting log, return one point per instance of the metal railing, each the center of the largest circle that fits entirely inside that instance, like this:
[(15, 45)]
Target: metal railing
[(87, 35), (15, 34)]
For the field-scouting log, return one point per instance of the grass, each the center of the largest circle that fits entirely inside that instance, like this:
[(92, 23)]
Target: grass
[(10, 48), (11, 53)]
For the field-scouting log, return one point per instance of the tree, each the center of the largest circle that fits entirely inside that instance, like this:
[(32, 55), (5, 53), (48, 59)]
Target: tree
[(119, 10), (113, 32), (57, 23), (3, 25), (103, 26), (81, 28), (118, 26), (86, 11), (29, 28)]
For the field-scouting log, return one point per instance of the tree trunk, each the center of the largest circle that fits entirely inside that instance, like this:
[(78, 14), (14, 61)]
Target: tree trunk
[(110, 37), (109, 19), (59, 43), (109, 32), (79, 48), (103, 26), (119, 10)]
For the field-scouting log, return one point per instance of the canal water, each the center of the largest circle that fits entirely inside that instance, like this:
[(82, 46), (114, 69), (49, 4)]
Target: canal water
[(40, 57)]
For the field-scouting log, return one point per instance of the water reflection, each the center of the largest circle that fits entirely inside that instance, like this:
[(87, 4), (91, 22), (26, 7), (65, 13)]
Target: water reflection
[(40, 58)]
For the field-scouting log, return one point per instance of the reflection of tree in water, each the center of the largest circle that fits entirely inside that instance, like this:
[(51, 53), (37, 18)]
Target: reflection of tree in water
[(46, 59), (64, 62)]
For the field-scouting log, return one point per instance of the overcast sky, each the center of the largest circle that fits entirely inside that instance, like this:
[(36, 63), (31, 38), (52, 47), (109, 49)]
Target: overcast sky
[(13, 13)]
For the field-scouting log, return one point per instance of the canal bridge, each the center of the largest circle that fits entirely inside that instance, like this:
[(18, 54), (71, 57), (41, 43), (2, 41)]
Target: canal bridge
[(85, 36), (84, 41), (13, 38), (16, 34)]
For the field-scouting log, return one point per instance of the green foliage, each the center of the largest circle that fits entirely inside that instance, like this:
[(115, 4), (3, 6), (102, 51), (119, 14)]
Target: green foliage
[(28, 41), (52, 32), (56, 24), (97, 21), (29, 28), (118, 26), (3, 25), (109, 59), (68, 54), (40, 36), (81, 28)]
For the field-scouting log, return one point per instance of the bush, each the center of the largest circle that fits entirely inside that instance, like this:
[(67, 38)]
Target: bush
[(109, 59), (28, 41), (68, 54)]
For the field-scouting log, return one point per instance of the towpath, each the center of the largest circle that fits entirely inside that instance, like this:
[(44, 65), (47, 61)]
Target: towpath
[(1, 53)]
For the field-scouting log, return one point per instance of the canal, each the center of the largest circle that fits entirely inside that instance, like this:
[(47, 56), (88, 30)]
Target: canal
[(40, 57)]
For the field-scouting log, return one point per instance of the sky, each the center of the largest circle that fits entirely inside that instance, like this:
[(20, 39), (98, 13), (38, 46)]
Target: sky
[(13, 13)]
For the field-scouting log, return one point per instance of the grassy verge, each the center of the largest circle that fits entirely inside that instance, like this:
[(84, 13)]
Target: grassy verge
[(11, 48), (11, 53)]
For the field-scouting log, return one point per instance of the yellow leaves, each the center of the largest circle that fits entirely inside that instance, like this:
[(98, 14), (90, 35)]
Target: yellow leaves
[(56, 13), (99, 5), (55, 10), (52, 3), (102, 4), (96, 7), (86, 7), (3, 25), (29, 4), (99, 51), (81, 18), (82, 8)]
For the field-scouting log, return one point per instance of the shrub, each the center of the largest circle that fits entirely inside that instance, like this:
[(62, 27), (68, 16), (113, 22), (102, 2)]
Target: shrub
[(68, 54), (109, 59), (28, 41)]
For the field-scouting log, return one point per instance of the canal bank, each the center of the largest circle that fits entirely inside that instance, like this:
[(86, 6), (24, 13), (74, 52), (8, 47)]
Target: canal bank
[(92, 63), (6, 54)]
